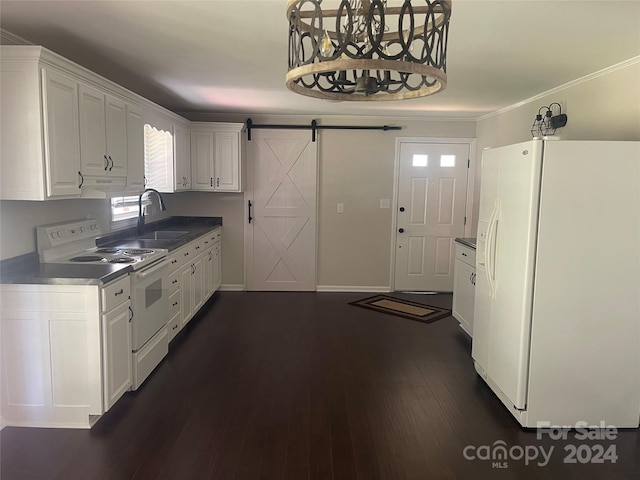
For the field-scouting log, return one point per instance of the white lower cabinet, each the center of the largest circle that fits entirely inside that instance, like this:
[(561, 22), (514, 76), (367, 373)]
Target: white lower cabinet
[(194, 276), (66, 352), (117, 346), (464, 281)]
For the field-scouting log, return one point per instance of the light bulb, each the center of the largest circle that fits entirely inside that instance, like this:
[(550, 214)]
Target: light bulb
[(325, 45)]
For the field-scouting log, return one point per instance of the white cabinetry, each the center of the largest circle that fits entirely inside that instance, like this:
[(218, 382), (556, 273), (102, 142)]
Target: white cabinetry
[(104, 137), (216, 157), (182, 143), (66, 352), (40, 143), (103, 133), (117, 339), (464, 281), (213, 257), (135, 149), (194, 276)]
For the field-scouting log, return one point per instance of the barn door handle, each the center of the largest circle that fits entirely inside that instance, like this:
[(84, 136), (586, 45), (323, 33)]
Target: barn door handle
[(250, 217)]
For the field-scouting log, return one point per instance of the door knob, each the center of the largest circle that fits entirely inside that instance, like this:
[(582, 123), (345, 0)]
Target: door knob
[(401, 230), (402, 209)]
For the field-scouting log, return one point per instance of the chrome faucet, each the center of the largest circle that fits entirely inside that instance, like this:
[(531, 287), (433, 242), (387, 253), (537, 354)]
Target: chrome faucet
[(163, 208)]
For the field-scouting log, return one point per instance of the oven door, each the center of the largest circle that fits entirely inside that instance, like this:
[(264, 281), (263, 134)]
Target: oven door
[(149, 301)]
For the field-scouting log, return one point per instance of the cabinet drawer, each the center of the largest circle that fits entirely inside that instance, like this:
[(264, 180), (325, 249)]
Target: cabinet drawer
[(180, 257), (174, 261), (174, 303), (198, 246), (174, 282), (113, 294), (466, 254)]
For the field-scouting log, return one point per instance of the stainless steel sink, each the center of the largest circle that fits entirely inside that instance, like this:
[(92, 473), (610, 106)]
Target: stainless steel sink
[(162, 235)]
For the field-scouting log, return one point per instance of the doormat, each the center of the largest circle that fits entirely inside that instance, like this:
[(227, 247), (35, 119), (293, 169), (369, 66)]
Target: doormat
[(403, 308)]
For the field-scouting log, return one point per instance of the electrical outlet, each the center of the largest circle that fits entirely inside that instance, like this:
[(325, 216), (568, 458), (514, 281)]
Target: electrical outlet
[(341, 208)]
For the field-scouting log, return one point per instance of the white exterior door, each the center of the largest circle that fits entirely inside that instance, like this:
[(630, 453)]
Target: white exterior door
[(432, 190), (281, 186)]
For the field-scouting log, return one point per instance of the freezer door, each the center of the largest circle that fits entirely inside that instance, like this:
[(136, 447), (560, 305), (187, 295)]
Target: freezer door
[(508, 264)]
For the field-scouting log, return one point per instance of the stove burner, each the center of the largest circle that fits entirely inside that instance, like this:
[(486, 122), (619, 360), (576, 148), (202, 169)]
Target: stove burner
[(88, 258), (136, 251), (121, 260), (108, 250)]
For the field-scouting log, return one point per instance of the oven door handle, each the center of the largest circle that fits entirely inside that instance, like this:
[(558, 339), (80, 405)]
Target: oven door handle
[(152, 269)]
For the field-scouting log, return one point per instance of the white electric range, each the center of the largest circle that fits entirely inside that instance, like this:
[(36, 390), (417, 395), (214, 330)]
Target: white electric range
[(75, 243)]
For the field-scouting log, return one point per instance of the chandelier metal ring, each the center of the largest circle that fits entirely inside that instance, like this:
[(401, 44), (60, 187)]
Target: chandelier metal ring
[(367, 50)]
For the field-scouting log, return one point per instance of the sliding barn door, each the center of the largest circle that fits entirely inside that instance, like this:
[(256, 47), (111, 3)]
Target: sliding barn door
[(281, 222)]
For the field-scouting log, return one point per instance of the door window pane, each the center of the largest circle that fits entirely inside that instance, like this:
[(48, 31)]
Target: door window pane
[(420, 160), (447, 160)]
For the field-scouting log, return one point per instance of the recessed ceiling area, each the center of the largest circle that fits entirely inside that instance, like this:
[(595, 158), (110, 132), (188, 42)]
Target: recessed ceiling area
[(230, 56)]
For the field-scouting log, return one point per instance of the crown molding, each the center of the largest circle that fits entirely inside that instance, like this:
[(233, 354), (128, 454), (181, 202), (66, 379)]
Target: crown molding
[(587, 78)]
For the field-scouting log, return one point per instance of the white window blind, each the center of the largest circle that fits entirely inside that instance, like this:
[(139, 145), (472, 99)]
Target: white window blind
[(158, 155)]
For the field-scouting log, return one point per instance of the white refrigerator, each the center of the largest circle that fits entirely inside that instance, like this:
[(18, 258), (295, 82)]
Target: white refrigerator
[(557, 300)]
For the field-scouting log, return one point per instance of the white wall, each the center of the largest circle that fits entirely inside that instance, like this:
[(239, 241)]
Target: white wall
[(602, 106), (355, 168)]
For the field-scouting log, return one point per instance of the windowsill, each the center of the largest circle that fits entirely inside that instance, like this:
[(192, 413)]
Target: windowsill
[(122, 224)]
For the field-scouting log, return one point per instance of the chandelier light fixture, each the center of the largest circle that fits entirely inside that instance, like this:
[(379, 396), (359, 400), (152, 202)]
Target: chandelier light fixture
[(367, 50)]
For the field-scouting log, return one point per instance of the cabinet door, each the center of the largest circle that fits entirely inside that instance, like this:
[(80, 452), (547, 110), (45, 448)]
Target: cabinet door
[(217, 266), (464, 294), (117, 335), (116, 136), (182, 139), (93, 149), (198, 283), (202, 160), (61, 134), (135, 149), (209, 272), (227, 161)]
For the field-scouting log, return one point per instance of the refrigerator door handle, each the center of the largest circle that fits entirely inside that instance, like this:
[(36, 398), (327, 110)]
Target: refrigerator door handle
[(492, 233)]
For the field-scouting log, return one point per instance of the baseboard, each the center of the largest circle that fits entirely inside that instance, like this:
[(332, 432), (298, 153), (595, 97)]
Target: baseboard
[(353, 288), (231, 287)]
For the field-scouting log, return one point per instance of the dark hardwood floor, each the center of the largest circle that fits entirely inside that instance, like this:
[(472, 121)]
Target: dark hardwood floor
[(304, 386)]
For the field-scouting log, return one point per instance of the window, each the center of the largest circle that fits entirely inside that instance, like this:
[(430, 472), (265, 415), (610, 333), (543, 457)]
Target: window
[(158, 156), (447, 160), (420, 160), (124, 208)]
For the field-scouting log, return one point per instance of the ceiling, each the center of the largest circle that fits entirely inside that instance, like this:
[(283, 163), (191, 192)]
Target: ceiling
[(230, 56)]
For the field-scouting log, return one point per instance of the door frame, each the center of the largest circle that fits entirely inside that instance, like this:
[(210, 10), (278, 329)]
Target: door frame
[(471, 174), (248, 195)]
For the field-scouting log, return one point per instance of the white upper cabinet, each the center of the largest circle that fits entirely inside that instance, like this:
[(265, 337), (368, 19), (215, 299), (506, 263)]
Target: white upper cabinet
[(182, 157), (39, 143), (103, 134), (61, 138), (135, 149), (216, 157)]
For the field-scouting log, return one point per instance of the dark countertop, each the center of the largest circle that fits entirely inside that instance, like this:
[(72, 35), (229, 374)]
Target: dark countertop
[(195, 226), (469, 242), (26, 269)]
